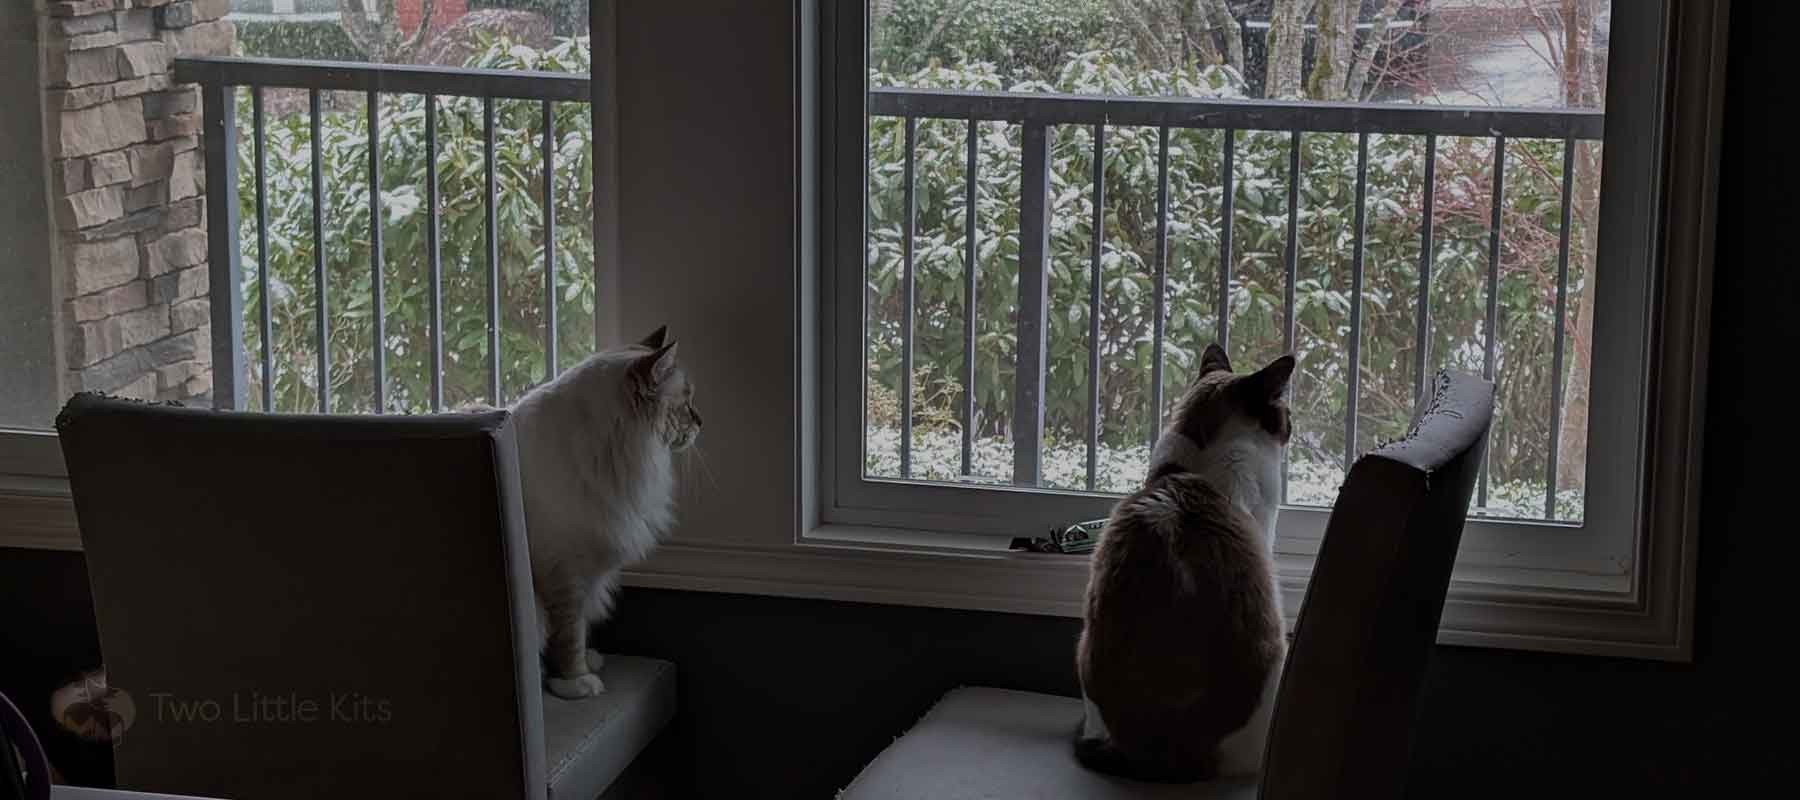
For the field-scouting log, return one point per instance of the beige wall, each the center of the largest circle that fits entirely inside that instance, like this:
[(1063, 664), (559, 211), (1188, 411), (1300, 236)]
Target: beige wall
[(707, 241)]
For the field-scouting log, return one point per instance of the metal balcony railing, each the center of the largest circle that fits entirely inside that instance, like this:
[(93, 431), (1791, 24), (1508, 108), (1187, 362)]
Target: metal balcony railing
[(221, 78), (1037, 113)]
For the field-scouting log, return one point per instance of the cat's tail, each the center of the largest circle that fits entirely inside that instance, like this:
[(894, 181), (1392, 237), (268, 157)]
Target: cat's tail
[(1101, 754)]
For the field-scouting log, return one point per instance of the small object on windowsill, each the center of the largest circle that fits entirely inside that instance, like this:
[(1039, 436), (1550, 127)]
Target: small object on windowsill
[(1077, 539)]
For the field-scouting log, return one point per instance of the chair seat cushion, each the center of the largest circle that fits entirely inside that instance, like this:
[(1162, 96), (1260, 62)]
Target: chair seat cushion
[(589, 742), (994, 743)]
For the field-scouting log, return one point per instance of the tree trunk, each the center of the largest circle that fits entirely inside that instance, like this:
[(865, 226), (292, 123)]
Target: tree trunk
[(1284, 46), (1331, 56), (1582, 89)]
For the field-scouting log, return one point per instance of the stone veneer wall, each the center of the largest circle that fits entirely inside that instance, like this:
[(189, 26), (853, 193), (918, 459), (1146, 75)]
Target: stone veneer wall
[(127, 192)]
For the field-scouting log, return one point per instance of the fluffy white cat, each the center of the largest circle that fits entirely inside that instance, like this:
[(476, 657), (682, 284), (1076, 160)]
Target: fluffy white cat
[(596, 449)]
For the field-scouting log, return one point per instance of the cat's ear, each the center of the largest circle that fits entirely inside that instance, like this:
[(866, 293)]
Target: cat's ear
[(1214, 360), (651, 369), (655, 340), (1272, 381)]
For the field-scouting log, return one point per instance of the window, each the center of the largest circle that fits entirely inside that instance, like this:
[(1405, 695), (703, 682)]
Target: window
[(117, 295), (762, 275), (468, 275), (1051, 207), (1048, 331), (461, 322)]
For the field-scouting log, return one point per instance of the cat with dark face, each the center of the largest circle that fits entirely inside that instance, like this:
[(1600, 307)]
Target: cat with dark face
[(596, 450), (1183, 637)]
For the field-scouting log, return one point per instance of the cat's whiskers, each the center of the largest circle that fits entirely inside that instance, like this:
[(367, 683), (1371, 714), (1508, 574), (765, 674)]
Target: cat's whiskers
[(694, 455)]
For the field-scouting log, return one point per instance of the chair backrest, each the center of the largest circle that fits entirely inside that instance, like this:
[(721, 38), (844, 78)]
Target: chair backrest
[(310, 606), (1349, 691)]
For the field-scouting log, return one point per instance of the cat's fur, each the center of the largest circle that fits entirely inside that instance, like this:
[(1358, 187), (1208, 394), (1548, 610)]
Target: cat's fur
[(596, 450), (1183, 641)]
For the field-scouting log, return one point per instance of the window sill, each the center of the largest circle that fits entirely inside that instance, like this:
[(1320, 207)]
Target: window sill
[(1488, 606)]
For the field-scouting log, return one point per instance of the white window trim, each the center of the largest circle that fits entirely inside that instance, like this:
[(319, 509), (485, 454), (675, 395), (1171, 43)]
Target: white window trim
[(1503, 595), (1620, 584)]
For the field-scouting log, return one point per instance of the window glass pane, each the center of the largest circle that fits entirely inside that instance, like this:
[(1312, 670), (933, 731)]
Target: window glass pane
[(1421, 305), (545, 35), (114, 287)]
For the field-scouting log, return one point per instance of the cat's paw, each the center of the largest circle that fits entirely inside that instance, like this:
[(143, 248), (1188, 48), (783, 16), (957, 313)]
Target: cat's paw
[(595, 661), (575, 688)]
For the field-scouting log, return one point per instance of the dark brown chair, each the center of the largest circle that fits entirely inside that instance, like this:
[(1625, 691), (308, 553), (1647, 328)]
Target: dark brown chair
[(1349, 691), (331, 606)]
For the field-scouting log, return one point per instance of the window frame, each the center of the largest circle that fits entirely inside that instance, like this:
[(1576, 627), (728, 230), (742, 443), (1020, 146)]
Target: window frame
[(1665, 66)]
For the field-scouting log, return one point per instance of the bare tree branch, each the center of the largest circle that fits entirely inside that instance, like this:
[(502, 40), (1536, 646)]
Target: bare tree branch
[(1196, 33), (1355, 87), (353, 17), (413, 42), (1150, 46), (1222, 21), (375, 30)]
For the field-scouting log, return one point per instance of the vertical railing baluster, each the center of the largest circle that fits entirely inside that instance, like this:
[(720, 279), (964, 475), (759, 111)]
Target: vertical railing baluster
[(1562, 310), (1228, 183), (1292, 257), (1421, 343), (321, 320), (376, 285), (1291, 260), (970, 271), (1161, 280), (267, 327), (549, 156), (433, 255), (493, 251), (907, 287), (1356, 291), (1099, 239), (1034, 250), (1490, 331), (224, 270)]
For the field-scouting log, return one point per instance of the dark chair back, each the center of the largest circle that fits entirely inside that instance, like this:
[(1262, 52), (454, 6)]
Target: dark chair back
[(310, 606), (1349, 691)]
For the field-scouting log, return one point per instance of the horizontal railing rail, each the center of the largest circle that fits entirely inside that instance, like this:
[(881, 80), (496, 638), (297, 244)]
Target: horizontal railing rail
[(1267, 115), (350, 76), (221, 78), (1036, 114)]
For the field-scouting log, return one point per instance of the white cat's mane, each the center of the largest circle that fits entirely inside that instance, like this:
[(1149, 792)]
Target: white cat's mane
[(599, 483), (598, 480)]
